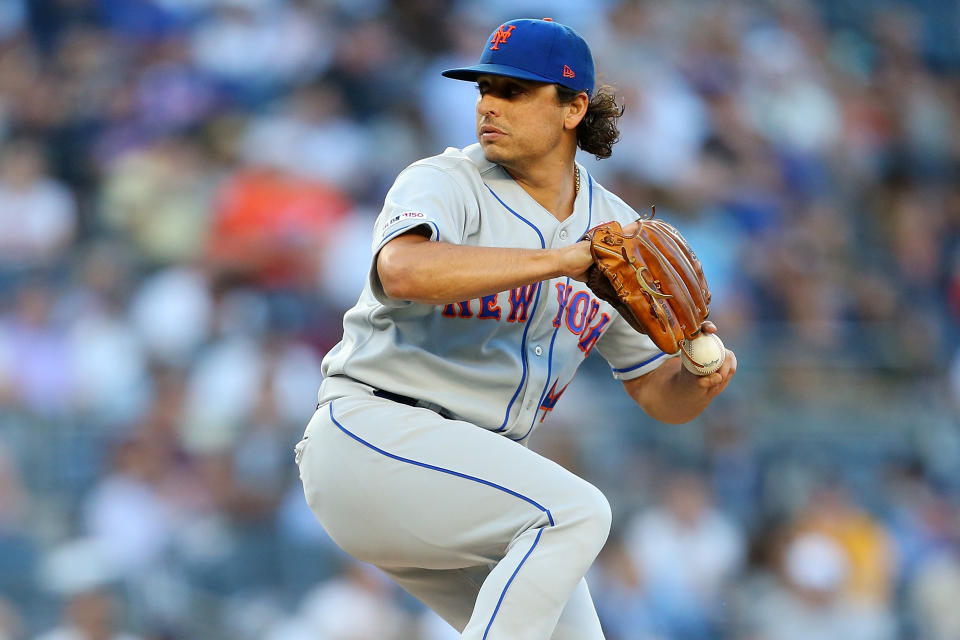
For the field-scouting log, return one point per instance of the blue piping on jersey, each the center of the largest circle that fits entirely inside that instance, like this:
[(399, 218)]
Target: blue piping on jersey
[(543, 244), (553, 339), (509, 582), (526, 328), (412, 226), (637, 366), (442, 470)]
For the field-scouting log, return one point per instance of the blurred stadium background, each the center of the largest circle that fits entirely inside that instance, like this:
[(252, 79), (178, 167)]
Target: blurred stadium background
[(187, 189)]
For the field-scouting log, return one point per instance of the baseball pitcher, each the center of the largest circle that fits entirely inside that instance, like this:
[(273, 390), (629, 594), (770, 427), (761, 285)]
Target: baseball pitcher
[(474, 319)]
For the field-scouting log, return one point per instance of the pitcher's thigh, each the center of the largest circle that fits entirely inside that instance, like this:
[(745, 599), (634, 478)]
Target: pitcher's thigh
[(403, 487)]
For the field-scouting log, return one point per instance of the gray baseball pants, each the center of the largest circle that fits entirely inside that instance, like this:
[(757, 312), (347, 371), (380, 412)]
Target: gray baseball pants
[(492, 536)]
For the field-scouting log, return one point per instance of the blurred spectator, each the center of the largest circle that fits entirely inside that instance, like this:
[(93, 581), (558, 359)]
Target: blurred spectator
[(171, 312), (222, 390), (235, 376), (261, 458), (257, 47), (300, 139), (90, 615), (355, 605), (268, 226), (346, 257), (81, 574), (783, 93), (37, 213), (734, 467), (126, 512), (449, 108), (687, 553), (662, 112), (370, 63), (869, 562), (809, 601), (109, 365), (622, 598), (160, 197), (34, 353), (934, 595), (923, 521), (171, 95), (295, 374)]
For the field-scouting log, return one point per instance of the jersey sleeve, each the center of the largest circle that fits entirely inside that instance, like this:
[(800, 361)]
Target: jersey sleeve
[(629, 353), (424, 197)]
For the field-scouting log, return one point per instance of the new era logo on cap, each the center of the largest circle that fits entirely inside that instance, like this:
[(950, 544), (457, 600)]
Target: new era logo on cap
[(538, 50)]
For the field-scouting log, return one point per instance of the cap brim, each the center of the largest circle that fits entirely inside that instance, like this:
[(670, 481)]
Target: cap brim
[(470, 73)]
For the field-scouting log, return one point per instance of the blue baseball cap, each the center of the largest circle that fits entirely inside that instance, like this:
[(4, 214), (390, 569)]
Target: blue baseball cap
[(538, 50)]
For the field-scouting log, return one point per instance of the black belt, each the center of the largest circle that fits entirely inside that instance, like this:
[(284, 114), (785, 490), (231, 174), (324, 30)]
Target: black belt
[(396, 397), (413, 402)]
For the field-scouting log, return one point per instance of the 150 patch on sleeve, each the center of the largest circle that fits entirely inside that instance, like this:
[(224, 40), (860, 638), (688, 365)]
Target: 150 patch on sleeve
[(403, 216)]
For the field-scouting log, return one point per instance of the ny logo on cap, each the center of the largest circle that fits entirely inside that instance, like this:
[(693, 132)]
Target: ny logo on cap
[(501, 36)]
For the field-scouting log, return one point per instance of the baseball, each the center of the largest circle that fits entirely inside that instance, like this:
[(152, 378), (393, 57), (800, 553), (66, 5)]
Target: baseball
[(704, 354)]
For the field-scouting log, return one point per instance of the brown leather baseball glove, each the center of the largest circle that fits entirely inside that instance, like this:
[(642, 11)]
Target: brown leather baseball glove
[(653, 278)]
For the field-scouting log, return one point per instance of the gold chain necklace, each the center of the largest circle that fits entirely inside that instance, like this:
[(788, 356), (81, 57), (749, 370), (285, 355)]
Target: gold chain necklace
[(576, 183)]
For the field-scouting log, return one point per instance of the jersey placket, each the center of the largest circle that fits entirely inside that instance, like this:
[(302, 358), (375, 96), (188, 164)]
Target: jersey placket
[(540, 349), (544, 360)]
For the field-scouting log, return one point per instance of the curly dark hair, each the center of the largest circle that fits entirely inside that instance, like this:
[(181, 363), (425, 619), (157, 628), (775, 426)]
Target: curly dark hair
[(597, 132)]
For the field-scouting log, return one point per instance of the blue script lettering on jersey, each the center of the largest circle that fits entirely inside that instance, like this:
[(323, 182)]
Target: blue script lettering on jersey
[(590, 336), (578, 312), (465, 311), (520, 299), (489, 307)]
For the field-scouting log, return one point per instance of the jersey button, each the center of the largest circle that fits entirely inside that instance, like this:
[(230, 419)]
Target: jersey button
[(538, 350), (563, 234)]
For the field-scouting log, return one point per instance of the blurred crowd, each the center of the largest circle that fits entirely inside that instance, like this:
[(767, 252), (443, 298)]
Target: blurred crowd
[(187, 192)]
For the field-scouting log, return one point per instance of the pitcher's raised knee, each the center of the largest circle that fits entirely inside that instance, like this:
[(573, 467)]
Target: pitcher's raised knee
[(587, 516)]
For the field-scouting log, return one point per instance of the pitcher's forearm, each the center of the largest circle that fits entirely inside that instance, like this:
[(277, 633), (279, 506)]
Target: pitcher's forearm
[(413, 268)]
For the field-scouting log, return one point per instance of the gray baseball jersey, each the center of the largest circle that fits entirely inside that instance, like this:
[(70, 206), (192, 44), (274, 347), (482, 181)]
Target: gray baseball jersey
[(501, 361), (492, 536)]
